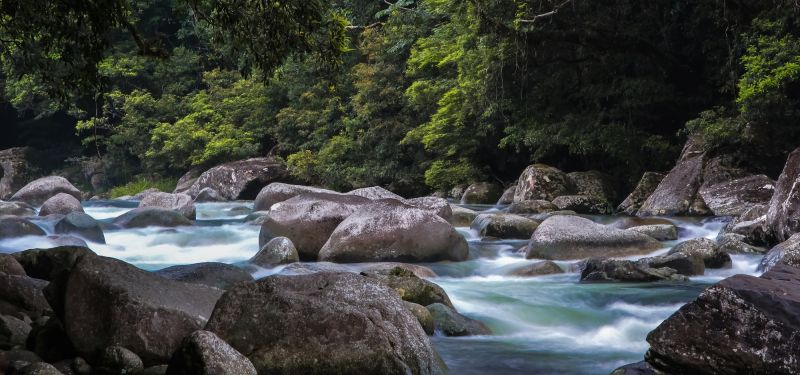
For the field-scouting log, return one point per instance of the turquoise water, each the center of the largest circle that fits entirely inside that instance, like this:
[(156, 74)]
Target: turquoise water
[(542, 325)]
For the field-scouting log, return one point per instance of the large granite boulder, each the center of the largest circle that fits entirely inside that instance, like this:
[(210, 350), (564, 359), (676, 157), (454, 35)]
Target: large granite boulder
[(16, 209), (182, 203), (783, 215), (22, 296), (204, 353), (462, 217), (508, 195), (151, 217), (390, 230), (677, 192), (308, 220), (60, 204), (540, 181), (501, 225), (40, 190), (593, 184), (584, 204), (564, 237), (213, 274), (81, 225), (438, 206), (707, 249), (323, 323), (11, 227), (644, 189), (14, 170), (279, 250), (187, 180), (375, 193), (786, 252), (733, 197), (661, 232), (109, 302), (277, 192), (482, 193), (240, 179), (741, 325)]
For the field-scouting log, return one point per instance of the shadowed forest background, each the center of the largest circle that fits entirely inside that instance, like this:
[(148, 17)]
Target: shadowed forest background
[(411, 95)]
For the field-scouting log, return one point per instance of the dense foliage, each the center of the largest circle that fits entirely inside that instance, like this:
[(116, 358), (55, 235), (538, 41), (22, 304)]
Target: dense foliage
[(411, 94)]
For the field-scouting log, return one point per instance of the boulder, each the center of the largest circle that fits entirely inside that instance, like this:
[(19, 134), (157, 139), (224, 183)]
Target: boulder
[(308, 220), (118, 360), (144, 193), (450, 323), (60, 204), (593, 184), (661, 232), (187, 180), (82, 225), (504, 226), (741, 325), (151, 217), (50, 264), (438, 206), (644, 189), (508, 195), (706, 249), (109, 302), (10, 266), (638, 368), (482, 193), (462, 217), (16, 209), (783, 215), (390, 267), (323, 323), (14, 170), (733, 197), (204, 353), (49, 341), (375, 193), (540, 181), (786, 252), (13, 332), (537, 269), (412, 288), (11, 227), (455, 193), (682, 263), (573, 237), (584, 204), (423, 316), (279, 250), (22, 296), (677, 192), (240, 180), (182, 203), (217, 275), (277, 192), (39, 191), (532, 207), (613, 270), (390, 230), (208, 195), (39, 368), (630, 222), (315, 267), (733, 243)]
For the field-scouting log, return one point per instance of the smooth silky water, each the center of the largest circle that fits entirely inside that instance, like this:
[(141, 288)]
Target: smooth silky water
[(541, 325)]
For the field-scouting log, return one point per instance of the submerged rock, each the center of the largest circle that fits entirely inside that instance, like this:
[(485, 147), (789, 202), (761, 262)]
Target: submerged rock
[(572, 237), (323, 323), (60, 204), (644, 189), (279, 250), (389, 230), (741, 325), (204, 353), (783, 215), (182, 203), (504, 226), (213, 274), (537, 269), (40, 190), (482, 193), (450, 323), (706, 249), (151, 217), (540, 181)]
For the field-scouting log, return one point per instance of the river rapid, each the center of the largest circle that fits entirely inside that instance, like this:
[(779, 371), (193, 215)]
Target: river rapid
[(541, 325)]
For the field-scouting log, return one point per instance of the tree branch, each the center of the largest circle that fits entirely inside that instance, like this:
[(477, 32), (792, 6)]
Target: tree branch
[(548, 14)]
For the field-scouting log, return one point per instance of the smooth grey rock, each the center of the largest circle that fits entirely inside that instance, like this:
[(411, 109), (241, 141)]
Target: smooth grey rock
[(40, 190), (279, 250), (450, 323), (482, 193), (374, 193), (438, 206), (240, 180), (423, 316), (277, 192), (22, 296), (11, 227), (182, 203), (677, 192), (208, 195), (60, 204), (783, 215), (786, 252), (82, 225), (13, 332), (204, 353), (661, 232), (732, 198), (644, 189), (10, 266), (462, 217), (508, 195), (151, 217), (213, 274), (541, 181), (537, 269), (16, 209), (707, 249), (500, 225)]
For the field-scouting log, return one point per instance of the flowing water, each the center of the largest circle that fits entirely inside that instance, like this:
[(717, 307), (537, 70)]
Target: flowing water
[(541, 325)]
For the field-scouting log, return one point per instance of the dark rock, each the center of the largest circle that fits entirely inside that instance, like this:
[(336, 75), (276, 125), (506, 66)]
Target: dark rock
[(49, 340), (82, 225), (11, 227), (59, 240), (482, 193), (279, 250), (583, 204), (17, 359), (389, 268), (13, 332), (389, 230), (240, 180), (707, 249), (16, 209), (309, 220), (786, 252), (411, 288), (423, 316), (462, 217), (80, 366), (10, 266), (277, 192), (187, 180), (500, 225), (455, 193), (741, 325), (451, 323), (181, 203), (508, 195), (151, 217), (14, 170), (109, 302), (644, 189), (677, 192), (315, 267), (661, 232), (154, 370), (532, 207), (682, 263), (51, 264), (208, 195), (204, 353), (438, 206), (572, 237), (613, 270), (638, 368), (733, 243), (374, 193), (593, 184), (538, 269), (60, 204), (217, 275), (39, 368), (116, 360), (540, 181), (323, 323), (22, 296), (783, 215), (38, 191), (733, 197)]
